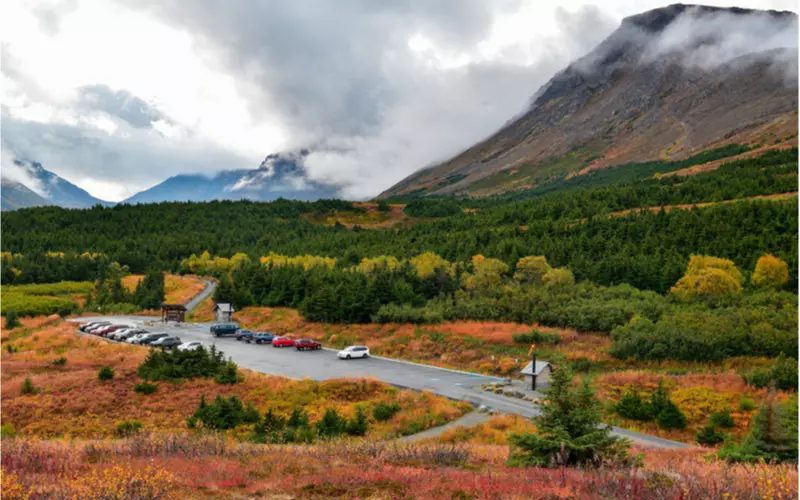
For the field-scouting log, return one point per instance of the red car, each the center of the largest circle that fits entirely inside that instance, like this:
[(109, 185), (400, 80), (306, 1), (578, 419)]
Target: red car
[(303, 344), (105, 331), (282, 342)]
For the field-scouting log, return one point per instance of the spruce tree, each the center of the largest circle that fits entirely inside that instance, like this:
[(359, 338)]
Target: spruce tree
[(568, 431)]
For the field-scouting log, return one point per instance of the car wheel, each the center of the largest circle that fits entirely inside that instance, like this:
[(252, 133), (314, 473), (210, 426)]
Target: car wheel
[(366, 355), (348, 357)]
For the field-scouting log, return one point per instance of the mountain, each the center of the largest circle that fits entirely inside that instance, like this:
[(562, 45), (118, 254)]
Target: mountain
[(666, 84), (55, 190), (280, 175), (14, 195)]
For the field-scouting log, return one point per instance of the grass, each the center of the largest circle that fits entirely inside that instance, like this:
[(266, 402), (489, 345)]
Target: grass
[(177, 289), (181, 466), (72, 402)]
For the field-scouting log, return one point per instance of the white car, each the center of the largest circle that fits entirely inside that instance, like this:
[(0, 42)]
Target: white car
[(190, 346), (354, 351), (136, 338), (116, 335)]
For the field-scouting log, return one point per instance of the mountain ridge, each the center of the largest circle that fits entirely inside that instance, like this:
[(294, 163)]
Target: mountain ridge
[(638, 96), (54, 190)]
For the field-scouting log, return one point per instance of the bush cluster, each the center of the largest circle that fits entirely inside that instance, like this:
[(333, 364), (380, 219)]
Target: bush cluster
[(660, 407), (175, 365)]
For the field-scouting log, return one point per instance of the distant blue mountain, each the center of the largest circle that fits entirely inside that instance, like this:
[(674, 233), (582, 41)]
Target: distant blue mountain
[(279, 176), (54, 190)]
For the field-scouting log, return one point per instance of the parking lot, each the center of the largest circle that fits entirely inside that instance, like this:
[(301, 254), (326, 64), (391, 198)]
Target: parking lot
[(324, 364)]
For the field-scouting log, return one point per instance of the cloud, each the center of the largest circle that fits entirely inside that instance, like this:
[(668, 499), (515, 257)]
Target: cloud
[(20, 172), (344, 75), (127, 93), (708, 38)]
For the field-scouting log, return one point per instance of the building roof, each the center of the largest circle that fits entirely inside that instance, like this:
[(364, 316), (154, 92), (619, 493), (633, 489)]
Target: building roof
[(178, 307), (224, 307), (540, 365)]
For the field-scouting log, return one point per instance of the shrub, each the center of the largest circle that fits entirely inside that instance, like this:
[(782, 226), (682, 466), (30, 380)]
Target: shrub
[(536, 337), (632, 406), (7, 430), (671, 417), (59, 362), (770, 272), (332, 424), (12, 319), (11, 349), (581, 365), (783, 373), (128, 428), (223, 413), (298, 419), (722, 419), (359, 424), (145, 388), (384, 411), (709, 436), (176, 365), (270, 428), (28, 387), (228, 374), (106, 373), (746, 404)]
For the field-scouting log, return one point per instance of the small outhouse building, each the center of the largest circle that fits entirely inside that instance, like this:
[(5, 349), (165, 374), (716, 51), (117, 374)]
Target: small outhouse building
[(540, 374), (223, 313)]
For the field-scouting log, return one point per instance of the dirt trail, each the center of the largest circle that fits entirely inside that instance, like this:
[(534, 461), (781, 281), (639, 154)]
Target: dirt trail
[(689, 206)]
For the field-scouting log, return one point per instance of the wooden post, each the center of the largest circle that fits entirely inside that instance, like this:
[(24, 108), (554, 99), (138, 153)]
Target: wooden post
[(532, 353)]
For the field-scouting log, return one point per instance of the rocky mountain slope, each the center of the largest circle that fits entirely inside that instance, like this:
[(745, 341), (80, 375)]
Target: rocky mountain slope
[(53, 189), (279, 175), (666, 84), (14, 195)]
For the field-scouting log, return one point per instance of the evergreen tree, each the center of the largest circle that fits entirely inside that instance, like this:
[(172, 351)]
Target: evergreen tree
[(12, 319), (769, 439), (332, 424), (568, 431), (359, 424)]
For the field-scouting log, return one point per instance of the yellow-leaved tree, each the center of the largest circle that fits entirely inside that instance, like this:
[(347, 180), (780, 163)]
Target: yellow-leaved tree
[(770, 272), (708, 276), (531, 269), (381, 262), (558, 277), (488, 273), (427, 263)]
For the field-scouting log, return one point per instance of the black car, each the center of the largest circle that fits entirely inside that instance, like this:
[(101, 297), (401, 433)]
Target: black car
[(92, 324), (245, 335), (263, 337), (152, 338)]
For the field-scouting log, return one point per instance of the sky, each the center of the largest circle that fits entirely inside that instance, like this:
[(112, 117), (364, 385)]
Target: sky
[(118, 95)]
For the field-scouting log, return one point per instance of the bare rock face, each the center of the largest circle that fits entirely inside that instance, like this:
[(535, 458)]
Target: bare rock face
[(666, 84)]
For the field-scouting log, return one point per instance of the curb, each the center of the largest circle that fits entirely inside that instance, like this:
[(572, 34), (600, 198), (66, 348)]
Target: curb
[(412, 363)]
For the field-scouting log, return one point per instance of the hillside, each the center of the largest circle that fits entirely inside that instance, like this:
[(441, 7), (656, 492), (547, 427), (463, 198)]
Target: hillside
[(665, 85)]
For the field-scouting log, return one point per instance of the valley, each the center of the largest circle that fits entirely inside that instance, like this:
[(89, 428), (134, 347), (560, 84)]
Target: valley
[(627, 243)]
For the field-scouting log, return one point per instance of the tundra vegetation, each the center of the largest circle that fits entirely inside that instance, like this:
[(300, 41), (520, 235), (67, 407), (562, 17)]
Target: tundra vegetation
[(666, 303)]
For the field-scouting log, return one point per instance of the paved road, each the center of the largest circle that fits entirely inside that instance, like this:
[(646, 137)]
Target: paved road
[(324, 365), (200, 297)]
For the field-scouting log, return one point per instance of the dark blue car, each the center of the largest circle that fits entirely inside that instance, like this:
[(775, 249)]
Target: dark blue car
[(224, 329), (264, 337), (245, 335)]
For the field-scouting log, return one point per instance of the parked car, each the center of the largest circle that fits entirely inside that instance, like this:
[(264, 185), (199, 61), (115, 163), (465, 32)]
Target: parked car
[(245, 335), (108, 329), (114, 335), (282, 342), (97, 326), (307, 344), (149, 338), (354, 351), (123, 337), (221, 329), (136, 338), (263, 337), (190, 346), (167, 342), (92, 324)]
